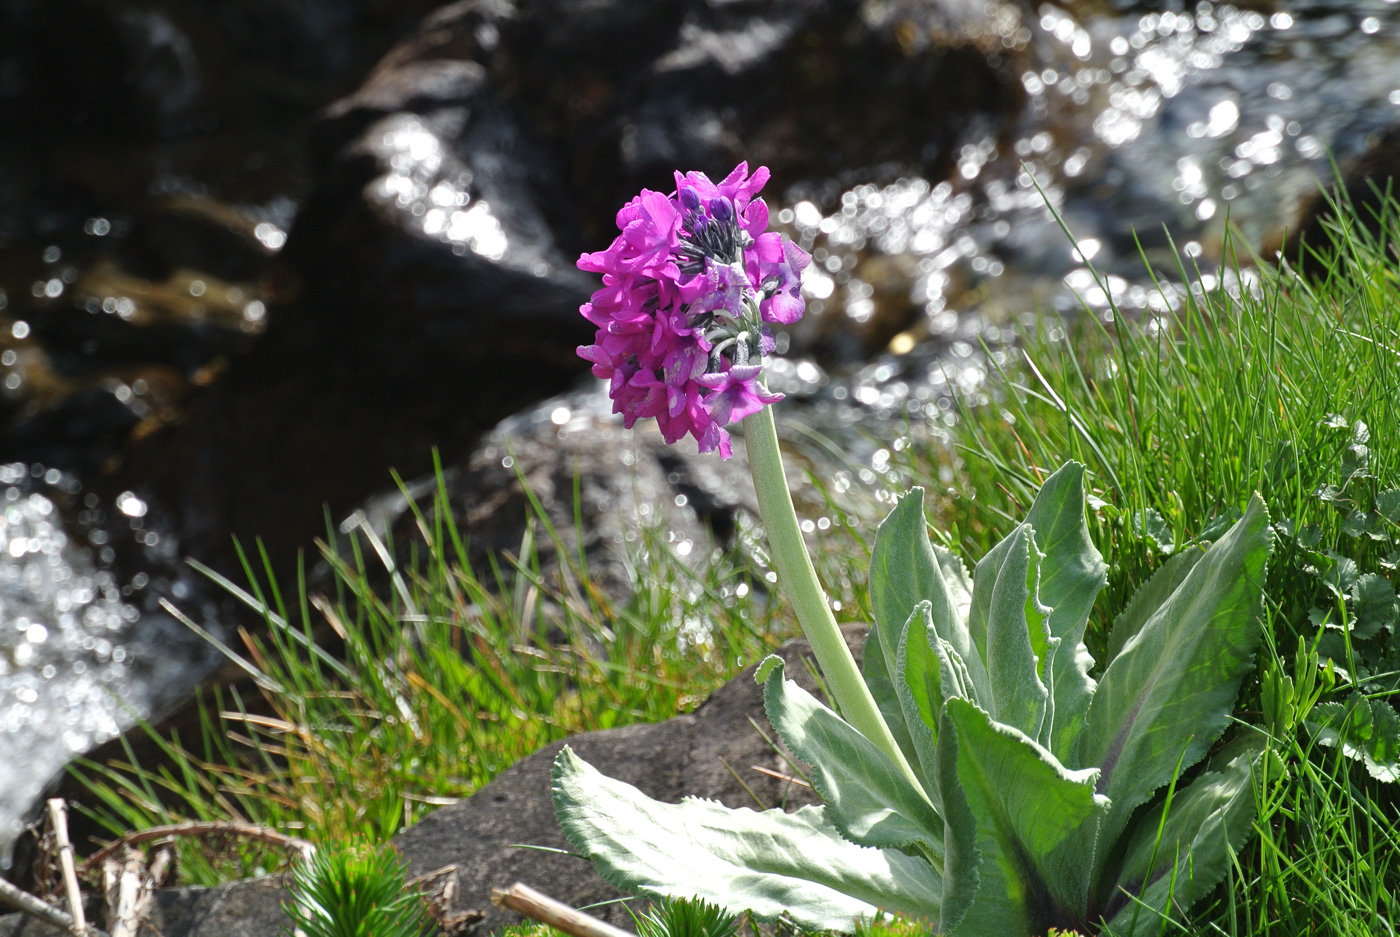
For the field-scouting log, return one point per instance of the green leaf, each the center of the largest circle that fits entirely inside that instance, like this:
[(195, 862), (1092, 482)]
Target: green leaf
[(959, 584), (1333, 421), (768, 863), (1368, 731), (1171, 863), (1022, 864), (932, 673), (1170, 690), (921, 692), (1018, 638), (1363, 524), (866, 795), (1388, 504), (1004, 608), (1219, 524), (878, 673), (1150, 597), (1373, 606), (1340, 575), (1331, 494), (1153, 528), (905, 571), (1072, 575)]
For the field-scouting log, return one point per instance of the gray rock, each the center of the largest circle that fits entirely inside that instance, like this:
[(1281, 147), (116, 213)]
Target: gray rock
[(705, 753), (630, 485), (715, 752)]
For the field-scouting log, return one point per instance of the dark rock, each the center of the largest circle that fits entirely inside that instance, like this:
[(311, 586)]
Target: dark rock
[(714, 752), (1366, 183), (630, 484), (122, 70), (687, 755), (622, 93), (197, 234)]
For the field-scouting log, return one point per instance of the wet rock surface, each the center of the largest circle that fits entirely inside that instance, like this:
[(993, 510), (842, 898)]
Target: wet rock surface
[(704, 754), (617, 95), (629, 485), (1365, 182)]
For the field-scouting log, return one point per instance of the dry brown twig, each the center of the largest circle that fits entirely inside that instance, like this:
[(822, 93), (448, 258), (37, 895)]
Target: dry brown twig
[(439, 888), (202, 828), (523, 899), (128, 886), (58, 819), (26, 903), (71, 921)]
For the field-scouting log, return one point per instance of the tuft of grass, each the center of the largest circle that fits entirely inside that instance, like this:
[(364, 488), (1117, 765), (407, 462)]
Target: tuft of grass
[(686, 917), (373, 703), (355, 891)]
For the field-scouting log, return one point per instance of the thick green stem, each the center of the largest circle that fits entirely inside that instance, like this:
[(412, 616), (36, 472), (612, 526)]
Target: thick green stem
[(799, 580)]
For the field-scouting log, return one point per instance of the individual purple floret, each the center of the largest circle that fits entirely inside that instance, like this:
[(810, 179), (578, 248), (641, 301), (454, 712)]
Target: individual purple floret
[(690, 287)]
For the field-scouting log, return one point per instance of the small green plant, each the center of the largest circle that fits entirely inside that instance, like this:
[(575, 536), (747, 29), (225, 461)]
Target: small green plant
[(886, 925), (686, 917), (1358, 615), (1039, 798), (354, 891)]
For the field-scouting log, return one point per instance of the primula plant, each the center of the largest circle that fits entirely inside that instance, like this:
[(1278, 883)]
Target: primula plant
[(977, 776)]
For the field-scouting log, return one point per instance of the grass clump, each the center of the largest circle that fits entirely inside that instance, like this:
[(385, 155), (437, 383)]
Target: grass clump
[(681, 917), (1250, 380), (355, 891)]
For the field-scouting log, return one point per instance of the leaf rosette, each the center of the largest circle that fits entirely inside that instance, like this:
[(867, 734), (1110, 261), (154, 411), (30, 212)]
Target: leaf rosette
[(1040, 797)]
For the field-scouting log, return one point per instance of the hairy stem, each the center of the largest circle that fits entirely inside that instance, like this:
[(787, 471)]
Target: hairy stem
[(799, 580)]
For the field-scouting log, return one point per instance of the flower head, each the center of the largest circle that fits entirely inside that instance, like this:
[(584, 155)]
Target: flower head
[(690, 286)]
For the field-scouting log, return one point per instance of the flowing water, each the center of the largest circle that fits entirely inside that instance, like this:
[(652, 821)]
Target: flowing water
[(83, 648), (1192, 119)]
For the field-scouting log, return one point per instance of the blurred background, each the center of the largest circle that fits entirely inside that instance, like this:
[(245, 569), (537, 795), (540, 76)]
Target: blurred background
[(256, 254)]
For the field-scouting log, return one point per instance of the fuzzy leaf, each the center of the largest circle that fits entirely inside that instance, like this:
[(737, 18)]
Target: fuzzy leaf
[(957, 580), (921, 690), (1021, 865), (866, 795), (1071, 576), (878, 673), (1150, 596), (1008, 629), (904, 571), (1209, 819), (1018, 637), (769, 863), (1170, 691), (933, 673)]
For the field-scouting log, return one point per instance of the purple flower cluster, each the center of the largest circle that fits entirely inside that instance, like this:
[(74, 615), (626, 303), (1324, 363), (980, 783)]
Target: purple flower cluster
[(690, 287)]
